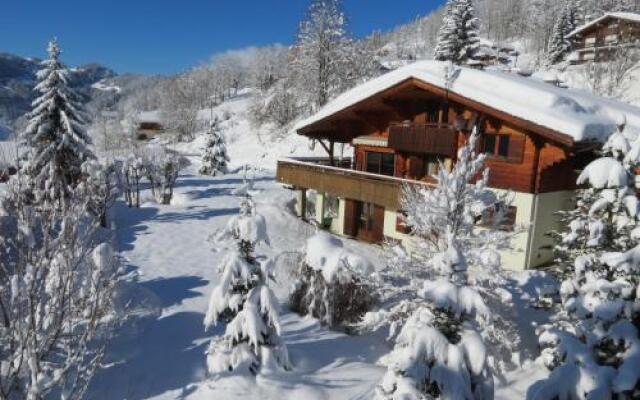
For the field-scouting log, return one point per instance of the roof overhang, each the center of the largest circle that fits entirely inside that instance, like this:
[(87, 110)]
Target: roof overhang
[(320, 128), (601, 19)]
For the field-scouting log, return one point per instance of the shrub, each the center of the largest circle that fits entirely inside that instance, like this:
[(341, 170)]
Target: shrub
[(331, 283)]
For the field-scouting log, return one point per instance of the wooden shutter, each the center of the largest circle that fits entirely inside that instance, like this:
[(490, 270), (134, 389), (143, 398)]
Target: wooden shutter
[(350, 215), (378, 223), (516, 148), (359, 160)]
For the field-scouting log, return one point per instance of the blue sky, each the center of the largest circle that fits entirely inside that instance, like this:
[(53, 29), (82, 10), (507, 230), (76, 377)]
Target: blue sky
[(166, 36)]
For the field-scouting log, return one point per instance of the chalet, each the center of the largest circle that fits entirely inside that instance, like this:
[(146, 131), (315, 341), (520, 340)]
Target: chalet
[(149, 125), (596, 40), (401, 124)]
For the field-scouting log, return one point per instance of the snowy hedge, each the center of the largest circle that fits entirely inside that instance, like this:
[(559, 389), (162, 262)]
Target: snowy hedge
[(330, 283)]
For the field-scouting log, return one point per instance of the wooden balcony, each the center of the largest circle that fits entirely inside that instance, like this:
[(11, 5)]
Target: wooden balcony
[(342, 182), (439, 139)]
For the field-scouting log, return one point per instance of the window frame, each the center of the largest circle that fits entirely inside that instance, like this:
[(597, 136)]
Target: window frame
[(499, 139), (509, 218), (379, 168)]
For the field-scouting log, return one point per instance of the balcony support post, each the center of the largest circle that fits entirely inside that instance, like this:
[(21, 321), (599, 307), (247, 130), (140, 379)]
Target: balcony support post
[(301, 203), (320, 207)]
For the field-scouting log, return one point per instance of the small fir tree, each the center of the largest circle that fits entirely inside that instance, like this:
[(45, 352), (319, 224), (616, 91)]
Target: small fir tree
[(458, 39), (449, 343), (439, 352), (245, 302), (55, 137), (592, 345), (214, 154)]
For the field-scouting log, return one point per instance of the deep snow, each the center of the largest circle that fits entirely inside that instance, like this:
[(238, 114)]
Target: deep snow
[(172, 264), (169, 254)]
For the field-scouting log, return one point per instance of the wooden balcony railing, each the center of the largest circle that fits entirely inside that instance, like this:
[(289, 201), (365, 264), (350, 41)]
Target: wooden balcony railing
[(345, 183), (424, 138)]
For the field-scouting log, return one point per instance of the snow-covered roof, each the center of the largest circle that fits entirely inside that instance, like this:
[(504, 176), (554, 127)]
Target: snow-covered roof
[(619, 15), (150, 116), (575, 113)]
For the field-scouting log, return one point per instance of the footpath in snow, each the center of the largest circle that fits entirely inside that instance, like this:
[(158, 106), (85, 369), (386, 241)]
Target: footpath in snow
[(167, 250)]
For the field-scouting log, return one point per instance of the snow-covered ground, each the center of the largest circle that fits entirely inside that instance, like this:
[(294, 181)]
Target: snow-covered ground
[(172, 266), (167, 251)]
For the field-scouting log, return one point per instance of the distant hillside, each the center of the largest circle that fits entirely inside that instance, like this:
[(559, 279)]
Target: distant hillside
[(18, 77)]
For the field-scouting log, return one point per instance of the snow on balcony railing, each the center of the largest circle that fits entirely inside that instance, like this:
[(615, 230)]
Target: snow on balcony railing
[(305, 162)]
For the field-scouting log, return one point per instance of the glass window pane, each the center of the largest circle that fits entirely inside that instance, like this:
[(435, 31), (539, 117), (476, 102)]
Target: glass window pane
[(432, 168), (388, 164), (489, 144), (373, 162), (503, 147)]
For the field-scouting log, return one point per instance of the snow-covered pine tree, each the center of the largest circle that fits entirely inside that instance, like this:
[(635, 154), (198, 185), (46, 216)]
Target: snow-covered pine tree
[(458, 38), (214, 154), (592, 345), (559, 45), (319, 54), (439, 352), (449, 341), (245, 302), (446, 46), (55, 137)]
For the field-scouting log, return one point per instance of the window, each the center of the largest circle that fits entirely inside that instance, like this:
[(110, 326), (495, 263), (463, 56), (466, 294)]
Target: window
[(501, 216), (380, 163), (332, 204), (496, 145), (590, 40), (431, 165), (373, 162), (388, 164), (401, 224), (366, 216), (489, 144), (421, 166)]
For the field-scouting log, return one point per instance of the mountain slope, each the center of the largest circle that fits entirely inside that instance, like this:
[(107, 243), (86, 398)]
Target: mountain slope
[(18, 77)]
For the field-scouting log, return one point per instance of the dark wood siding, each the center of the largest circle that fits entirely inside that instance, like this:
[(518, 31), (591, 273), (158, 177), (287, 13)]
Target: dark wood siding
[(350, 226), (423, 138)]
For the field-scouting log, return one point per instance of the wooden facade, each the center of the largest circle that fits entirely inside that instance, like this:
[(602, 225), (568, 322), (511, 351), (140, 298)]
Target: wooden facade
[(405, 133), (600, 39), (423, 128)]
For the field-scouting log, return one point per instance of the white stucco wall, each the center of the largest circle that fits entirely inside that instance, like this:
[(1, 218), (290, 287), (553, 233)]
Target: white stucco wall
[(545, 221), (535, 216), (516, 257)]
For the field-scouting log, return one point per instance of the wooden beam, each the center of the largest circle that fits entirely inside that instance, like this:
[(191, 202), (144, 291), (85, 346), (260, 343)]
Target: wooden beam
[(374, 119), (403, 109)]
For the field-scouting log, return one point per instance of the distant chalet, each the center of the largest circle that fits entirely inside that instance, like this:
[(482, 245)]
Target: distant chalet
[(149, 125), (402, 124), (598, 39)]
